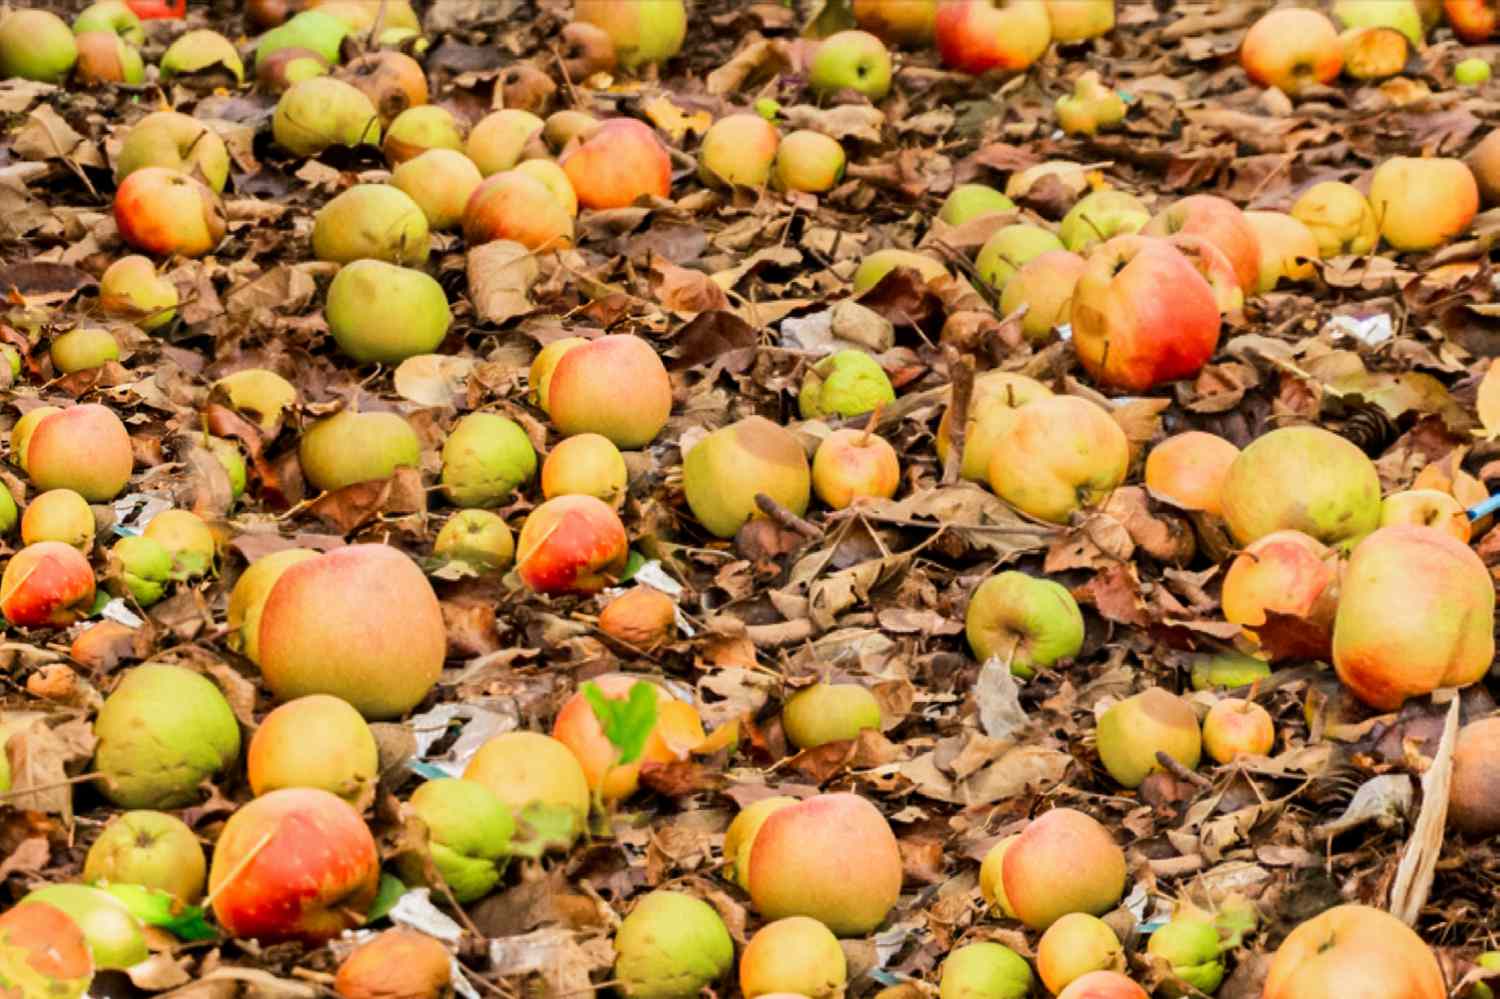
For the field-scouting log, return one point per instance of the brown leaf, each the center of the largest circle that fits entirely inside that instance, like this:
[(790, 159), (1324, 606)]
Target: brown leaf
[(501, 274), (686, 292)]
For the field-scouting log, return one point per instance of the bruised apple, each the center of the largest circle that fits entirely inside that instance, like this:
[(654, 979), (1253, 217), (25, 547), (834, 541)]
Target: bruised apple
[(1061, 453), (1287, 249), (993, 403), (1188, 470), (1063, 862), (976, 36), (1374, 53), (621, 161), (321, 112), (1131, 732), (1339, 217), (1423, 203), (642, 616), (677, 731), (1026, 622), (571, 544), (724, 471), (393, 81), (851, 465), (398, 962), (1221, 223), (162, 211), (1354, 950), (46, 585), (1290, 575), (1302, 478), (1091, 106), (1290, 49), (615, 386), (517, 207)]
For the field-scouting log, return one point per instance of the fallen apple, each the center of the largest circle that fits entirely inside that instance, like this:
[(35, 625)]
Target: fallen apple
[(1426, 508), (571, 544), (115, 937), (1423, 203), (321, 112), (1026, 622), (36, 45), (678, 730), (1063, 862), (1044, 287), (846, 383), (1473, 807), (1292, 49), (993, 403), (619, 162), (381, 313), (151, 849), (808, 161), (399, 962), (528, 771), (441, 182), (1132, 732), (985, 970), (1101, 216), (44, 953), (518, 207), (350, 447), (1302, 478), (130, 289), (1091, 106), (1339, 217), (1075, 945), (59, 515), (793, 956), (1060, 454), (159, 210), (642, 616), (375, 221), (478, 537), (615, 386), (738, 149), (202, 52), (468, 836), (1290, 575), (1188, 470), (501, 139), (671, 944), (851, 60), (585, 465), (829, 712), (851, 465), (1009, 249), (187, 539), (1235, 727), (976, 36), (724, 472), (46, 585), (971, 201), (314, 741), (1354, 950), (644, 31), (1287, 249), (897, 22), (421, 129)]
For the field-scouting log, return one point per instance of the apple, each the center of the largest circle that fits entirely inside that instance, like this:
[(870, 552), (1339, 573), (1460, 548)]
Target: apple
[(502, 139), (738, 149), (351, 446), (991, 877), (1373, 53), (1416, 612), (186, 538), (116, 938), (877, 265), (285, 68), (1339, 217), (1287, 249), (739, 838), (103, 57), (393, 81), (398, 962), (1399, 14), (1026, 622), (295, 864), (587, 49), (83, 447), (1103, 985), (1209, 261), (1473, 21), (130, 289), (644, 31), (1353, 950), (114, 16), (1189, 948), (314, 741), (642, 616), (1489, 961), (1131, 732), (1473, 808), (846, 383), (677, 731), (529, 771), (202, 52), (1091, 106), (585, 465), (43, 952), (851, 60), (620, 162), (232, 460), (808, 161), (478, 537), (1222, 224), (1063, 862), (1079, 20), (671, 944), (1484, 162), (972, 201), (1009, 249), (1292, 575), (151, 849), (8, 513), (975, 36), (615, 386), (440, 181), (1302, 478), (313, 30), (145, 569), (46, 585), (375, 221), (36, 45), (1075, 945), (568, 127), (1426, 508), (320, 112), (468, 837), (361, 15), (325, 629), (829, 712), (1291, 48), (1100, 216), (1236, 727), (485, 459), (1228, 670), (554, 179), (1422, 203), (897, 22), (381, 313), (571, 544), (1472, 72), (420, 129), (851, 465), (1188, 470), (162, 211), (1044, 286), (831, 857), (520, 208), (993, 402), (59, 515), (793, 956), (176, 141), (1061, 454), (161, 733), (261, 393), (985, 970), (20, 434), (724, 471)]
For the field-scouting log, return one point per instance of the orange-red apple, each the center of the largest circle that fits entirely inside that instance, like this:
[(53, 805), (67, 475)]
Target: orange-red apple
[(84, 448), (1063, 862), (1292, 575), (854, 464), (1291, 48), (1222, 224), (1188, 470), (1354, 950), (642, 616), (517, 207), (1236, 727), (1473, 21), (571, 544), (975, 36), (621, 161), (1103, 985), (678, 730), (162, 211), (1423, 203), (46, 585)]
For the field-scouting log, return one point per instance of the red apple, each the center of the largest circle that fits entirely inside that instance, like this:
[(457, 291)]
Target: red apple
[(162, 211), (976, 36), (1293, 576), (571, 544), (1063, 862), (514, 206), (1222, 224), (1103, 985), (615, 386), (1473, 21), (84, 448), (46, 585), (621, 161)]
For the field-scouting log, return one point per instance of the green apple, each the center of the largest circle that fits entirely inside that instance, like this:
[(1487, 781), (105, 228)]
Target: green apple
[(1489, 961), (321, 112), (880, 263), (479, 537), (851, 60), (379, 312), (1227, 669), (36, 45), (350, 447), (972, 201), (1008, 250), (1191, 948), (486, 457), (829, 712), (8, 513), (1399, 14), (671, 946), (1471, 72), (1100, 216), (112, 16), (1025, 621), (985, 971), (312, 30), (468, 835), (151, 849), (116, 938), (201, 50), (847, 383), (82, 349), (145, 568), (1091, 106), (233, 461), (179, 142)]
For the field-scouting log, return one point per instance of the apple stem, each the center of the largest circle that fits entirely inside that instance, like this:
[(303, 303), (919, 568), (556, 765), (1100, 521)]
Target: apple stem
[(238, 868), (870, 425)]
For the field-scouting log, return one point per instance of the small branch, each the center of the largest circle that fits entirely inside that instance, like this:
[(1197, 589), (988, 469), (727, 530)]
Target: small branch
[(787, 518), (961, 371), (1181, 772)]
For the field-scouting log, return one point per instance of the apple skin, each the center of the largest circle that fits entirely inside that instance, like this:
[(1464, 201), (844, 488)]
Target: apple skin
[(1354, 950), (295, 864), (104, 57), (151, 849), (897, 22), (323, 630), (1063, 862), (1075, 945), (1484, 162), (851, 60), (1222, 224), (829, 712), (620, 162), (1045, 285), (571, 544), (1373, 53), (130, 289), (248, 598), (350, 447), (314, 741), (56, 449), (113, 16), (1302, 478), (671, 944), (36, 45), (976, 36), (1290, 574), (440, 181), (485, 459), (308, 29), (993, 403), (851, 465), (527, 769), (793, 956), (1416, 612), (1188, 470), (501, 139), (739, 838), (421, 129), (1473, 21), (46, 951), (677, 732), (1079, 20), (972, 201), (615, 386), (540, 376), (1473, 806), (642, 616), (176, 141), (554, 179), (199, 51), (479, 537), (162, 211), (985, 970), (393, 81), (115, 936), (724, 471), (1423, 203), (808, 161), (738, 149), (59, 515), (1339, 217), (1103, 985), (644, 31), (832, 857), (992, 880), (517, 207), (1236, 727), (1101, 216), (398, 962), (381, 313), (374, 221), (1427, 508), (321, 112), (587, 465), (877, 265), (1131, 732), (845, 383), (1024, 621), (1291, 49), (46, 585), (1287, 249), (1010, 249), (1061, 454), (82, 349)]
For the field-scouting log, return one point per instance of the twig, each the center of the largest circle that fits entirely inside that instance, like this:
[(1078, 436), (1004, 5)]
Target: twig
[(1181, 772), (238, 869), (961, 371), (68, 782), (787, 518)]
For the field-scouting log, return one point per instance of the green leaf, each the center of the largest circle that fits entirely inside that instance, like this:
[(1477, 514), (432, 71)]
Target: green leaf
[(633, 562), (541, 827), (158, 908), (390, 892), (627, 723)]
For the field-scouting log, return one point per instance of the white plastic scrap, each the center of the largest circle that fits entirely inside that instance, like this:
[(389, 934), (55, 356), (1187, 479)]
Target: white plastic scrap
[(480, 725), (119, 611), (1371, 331)]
